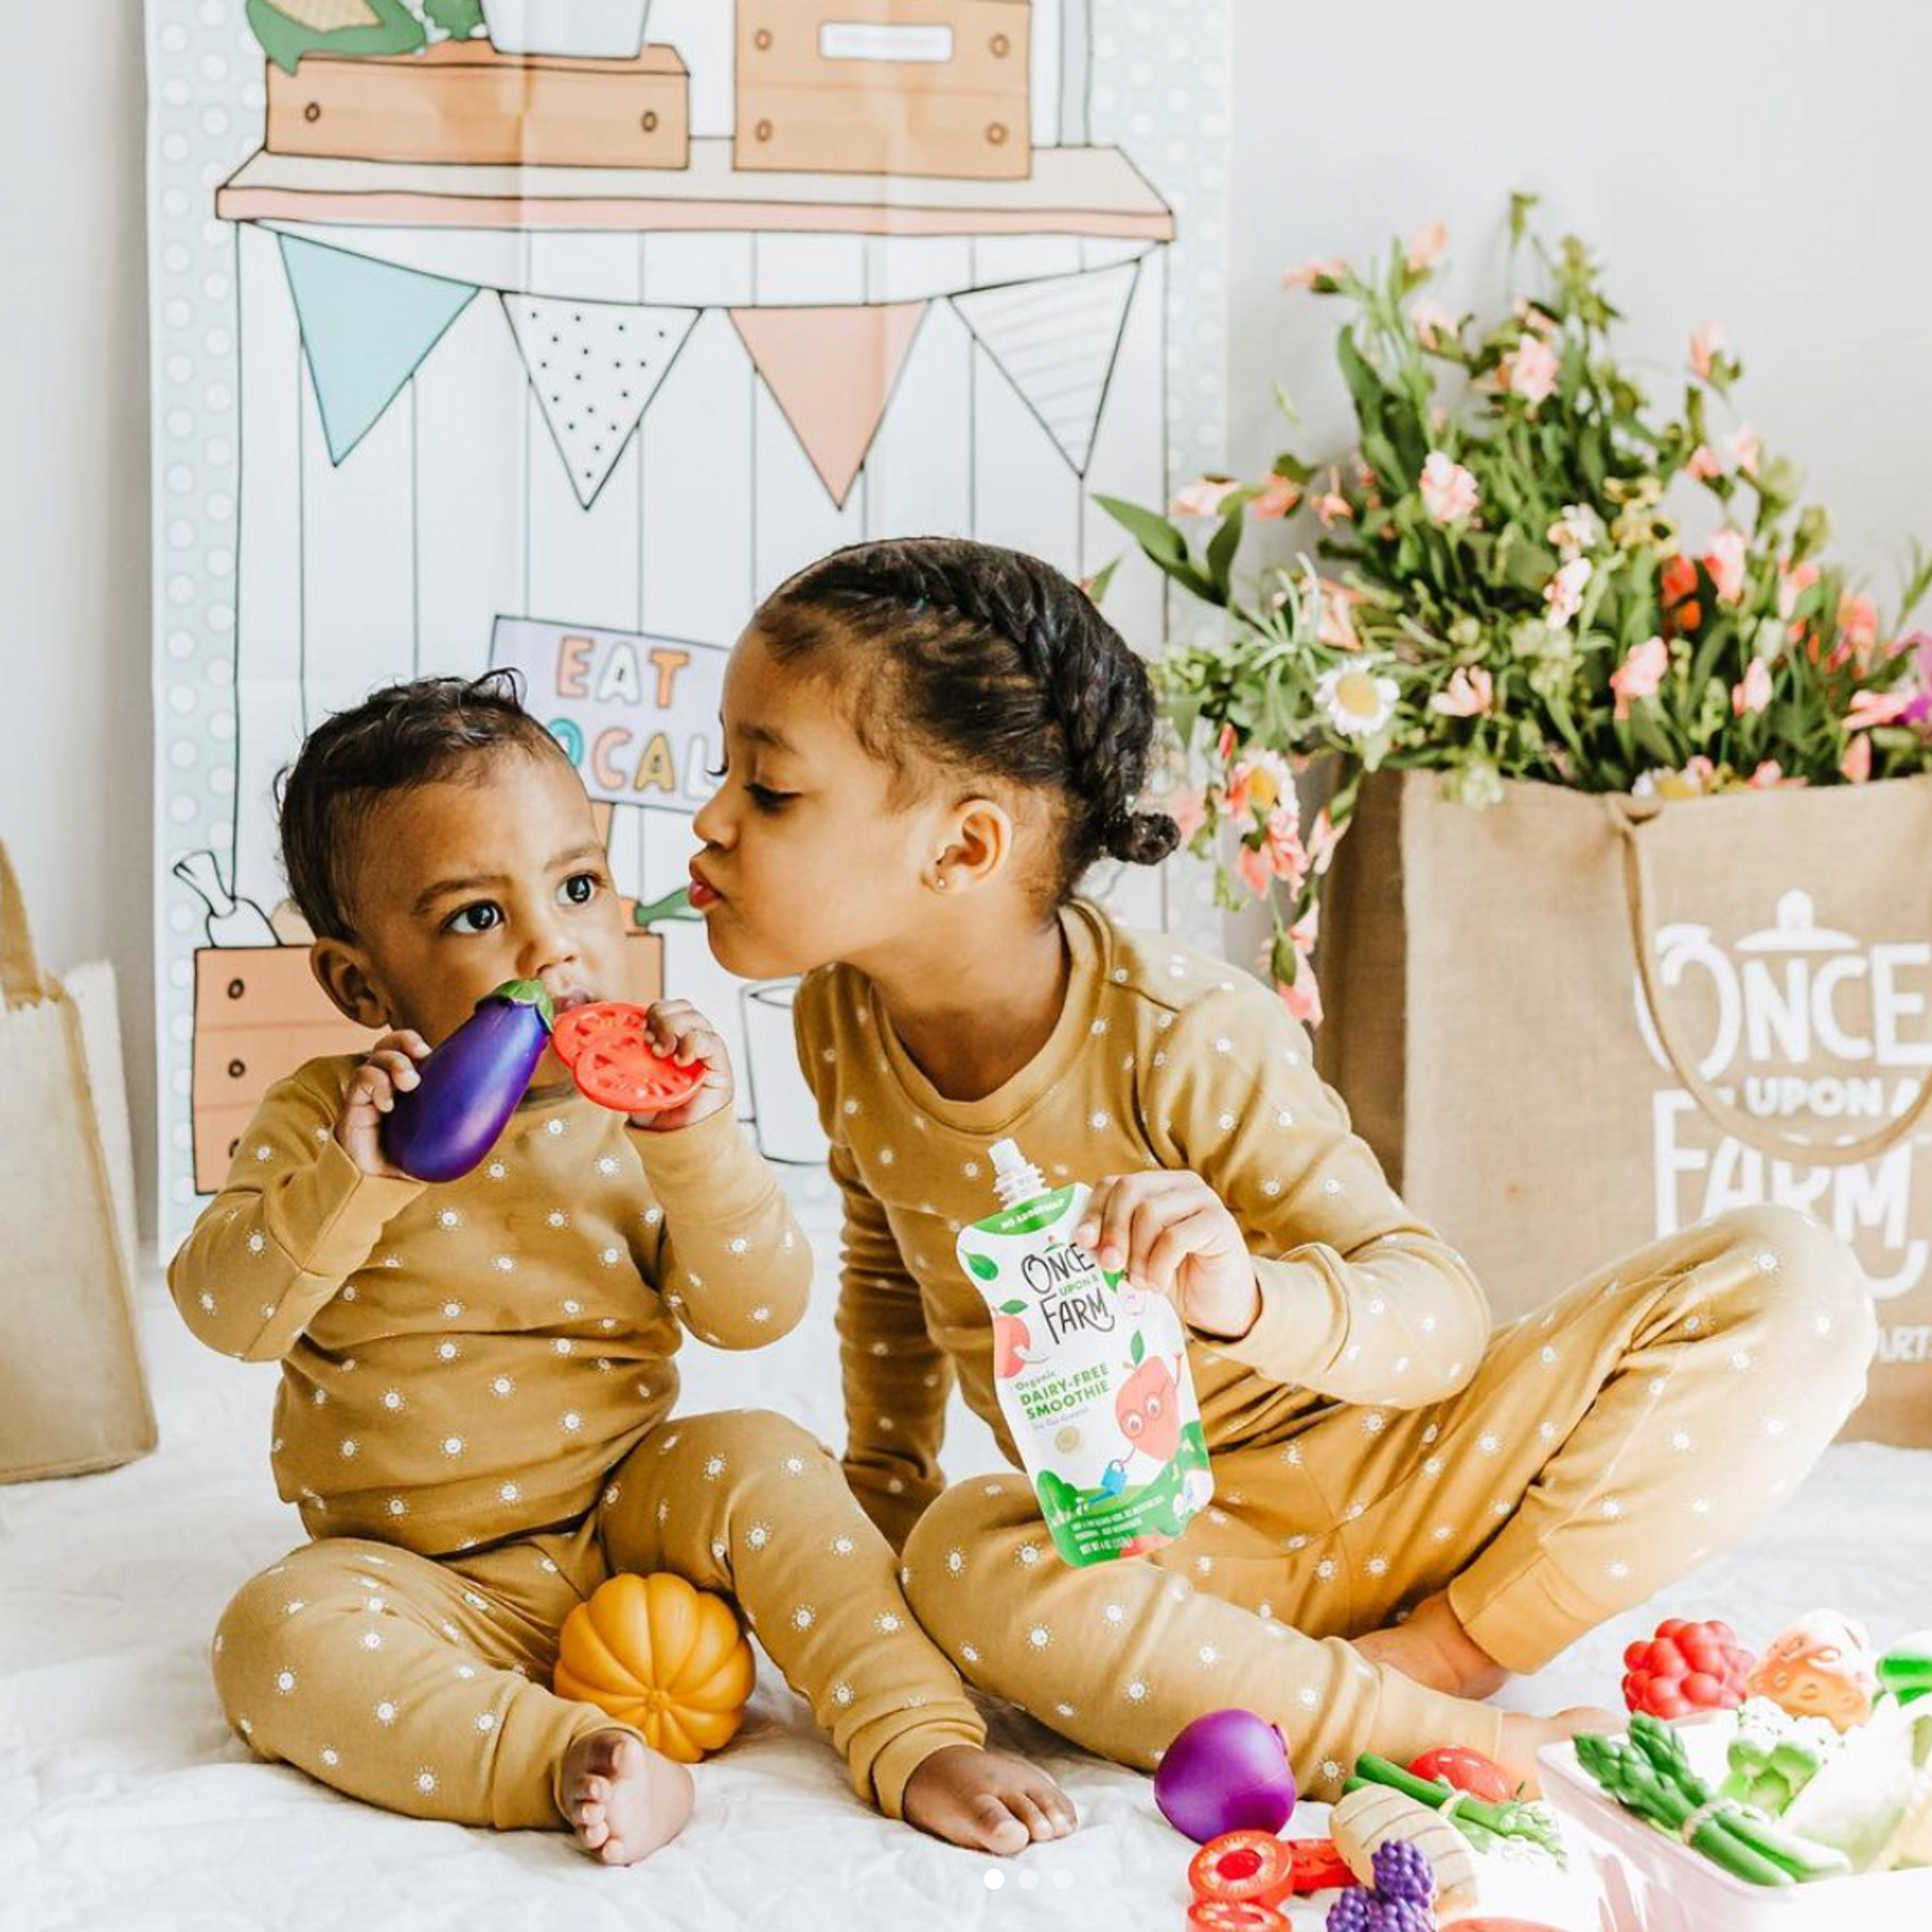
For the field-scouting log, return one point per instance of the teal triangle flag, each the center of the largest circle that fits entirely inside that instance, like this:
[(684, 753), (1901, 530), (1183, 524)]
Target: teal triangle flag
[(366, 326)]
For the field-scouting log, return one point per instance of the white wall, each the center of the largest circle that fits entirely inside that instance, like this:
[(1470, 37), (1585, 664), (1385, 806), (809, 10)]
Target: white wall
[(74, 705), (1760, 161)]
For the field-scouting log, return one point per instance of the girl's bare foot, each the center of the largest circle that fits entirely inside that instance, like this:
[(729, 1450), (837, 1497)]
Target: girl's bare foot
[(622, 1799), (1434, 1649), (1523, 1737), (985, 1802)]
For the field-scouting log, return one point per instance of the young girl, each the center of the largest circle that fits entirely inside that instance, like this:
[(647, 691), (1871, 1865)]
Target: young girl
[(928, 744)]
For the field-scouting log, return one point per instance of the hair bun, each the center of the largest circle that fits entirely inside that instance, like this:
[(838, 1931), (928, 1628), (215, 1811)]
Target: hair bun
[(1142, 838)]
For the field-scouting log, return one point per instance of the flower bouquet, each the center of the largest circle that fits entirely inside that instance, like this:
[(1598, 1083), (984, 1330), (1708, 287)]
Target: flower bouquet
[(1528, 571)]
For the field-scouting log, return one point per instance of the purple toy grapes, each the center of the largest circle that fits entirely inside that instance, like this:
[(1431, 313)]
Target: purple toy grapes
[(1398, 1915), (1349, 1912), (1402, 1871)]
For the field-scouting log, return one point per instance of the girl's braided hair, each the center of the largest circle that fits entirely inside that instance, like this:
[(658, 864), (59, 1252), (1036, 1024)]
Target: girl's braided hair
[(996, 665)]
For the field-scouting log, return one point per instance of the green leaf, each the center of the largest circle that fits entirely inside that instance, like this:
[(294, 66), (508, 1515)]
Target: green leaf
[(1152, 531), (1012, 1308), (1096, 585), (285, 40), (982, 1266), (1226, 541), (1139, 1348)]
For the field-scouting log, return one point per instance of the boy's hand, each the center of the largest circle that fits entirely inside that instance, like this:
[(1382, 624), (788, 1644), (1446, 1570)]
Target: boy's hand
[(681, 1033), (389, 1070), (1169, 1232)]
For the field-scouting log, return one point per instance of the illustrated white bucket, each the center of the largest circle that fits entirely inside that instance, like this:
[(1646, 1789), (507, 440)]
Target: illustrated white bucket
[(788, 1129), (589, 30)]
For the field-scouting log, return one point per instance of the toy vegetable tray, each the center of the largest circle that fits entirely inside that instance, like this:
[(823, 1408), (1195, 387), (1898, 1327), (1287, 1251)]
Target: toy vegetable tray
[(1652, 1884)]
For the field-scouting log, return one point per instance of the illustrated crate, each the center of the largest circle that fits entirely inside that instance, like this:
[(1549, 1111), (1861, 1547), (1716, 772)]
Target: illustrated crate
[(259, 1015), (886, 86), (461, 101)]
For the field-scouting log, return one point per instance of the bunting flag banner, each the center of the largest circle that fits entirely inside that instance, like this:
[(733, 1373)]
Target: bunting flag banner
[(594, 366), (1055, 342), (832, 372), (366, 326)]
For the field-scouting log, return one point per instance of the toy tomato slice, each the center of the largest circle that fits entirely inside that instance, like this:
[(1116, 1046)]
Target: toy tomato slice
[(1467, 1770), (1242, 1868), (627, 1077), (601, 1021), (1231, 1915), (1317, 1866)]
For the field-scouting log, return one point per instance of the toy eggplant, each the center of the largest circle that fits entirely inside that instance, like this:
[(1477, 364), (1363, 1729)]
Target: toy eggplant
[(468, 1089)]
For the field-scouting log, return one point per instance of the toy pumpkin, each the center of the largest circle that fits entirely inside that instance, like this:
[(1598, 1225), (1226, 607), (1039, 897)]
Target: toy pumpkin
[(655, 1653)]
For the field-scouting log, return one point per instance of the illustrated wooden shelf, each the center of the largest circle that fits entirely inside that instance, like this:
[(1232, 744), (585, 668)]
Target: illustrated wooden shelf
[(1088, 192)]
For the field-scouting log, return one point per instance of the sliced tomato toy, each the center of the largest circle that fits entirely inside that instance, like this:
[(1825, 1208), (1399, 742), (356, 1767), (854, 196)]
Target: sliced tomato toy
[(1466, 1770), (627, 1077), (579, 1026), (1242, 1868), (1234, 1915), (1317, 1866)]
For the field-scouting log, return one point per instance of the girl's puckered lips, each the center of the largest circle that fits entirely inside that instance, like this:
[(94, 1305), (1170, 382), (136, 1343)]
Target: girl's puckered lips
[(704, 894)]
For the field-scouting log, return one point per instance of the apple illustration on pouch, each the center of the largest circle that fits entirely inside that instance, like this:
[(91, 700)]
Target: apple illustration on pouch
[(1148, 1408), (1011, 1339)]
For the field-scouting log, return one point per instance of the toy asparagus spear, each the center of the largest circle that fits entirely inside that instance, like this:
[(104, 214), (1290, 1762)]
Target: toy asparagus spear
[(468, 1089)]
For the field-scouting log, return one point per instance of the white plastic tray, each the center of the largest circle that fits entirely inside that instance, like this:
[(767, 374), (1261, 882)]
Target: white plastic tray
[(1652, 1884)]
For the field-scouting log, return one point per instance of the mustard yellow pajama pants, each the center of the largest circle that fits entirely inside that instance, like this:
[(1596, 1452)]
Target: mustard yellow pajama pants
[(421, 1683), (1655, 1413)]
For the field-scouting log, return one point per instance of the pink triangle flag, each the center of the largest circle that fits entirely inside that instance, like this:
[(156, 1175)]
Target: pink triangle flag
[(832, 371)]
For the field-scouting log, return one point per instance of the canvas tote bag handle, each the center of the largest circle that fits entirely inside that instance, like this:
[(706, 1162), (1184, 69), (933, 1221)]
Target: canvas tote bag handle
[(1630, 821), (19, 970)]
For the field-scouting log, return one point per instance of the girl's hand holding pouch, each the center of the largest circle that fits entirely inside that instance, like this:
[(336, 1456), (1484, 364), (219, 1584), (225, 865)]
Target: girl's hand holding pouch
[(1169, 1232)]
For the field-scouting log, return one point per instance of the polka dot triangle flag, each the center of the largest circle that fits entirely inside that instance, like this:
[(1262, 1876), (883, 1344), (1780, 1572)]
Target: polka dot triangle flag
[(594, 366)]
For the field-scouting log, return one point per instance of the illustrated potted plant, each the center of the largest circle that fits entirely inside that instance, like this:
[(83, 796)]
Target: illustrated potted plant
[(587, 30)]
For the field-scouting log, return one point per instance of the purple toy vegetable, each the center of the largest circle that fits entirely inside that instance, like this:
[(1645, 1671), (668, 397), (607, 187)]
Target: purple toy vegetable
[(469, 1086), (1225, 1772)]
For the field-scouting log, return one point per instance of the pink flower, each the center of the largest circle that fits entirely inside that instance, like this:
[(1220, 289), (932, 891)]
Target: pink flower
[(1256, 873), (1282, 847), (1336, 627), (1858, 760), (1278, 497), (1534, 318), (1323, 839), (1303, 998), (1754, 693), (1705, 346), (1747, 449), (1432, 323), (1469, 693), (1188, 807), (1794, 582), (1724, 560), (1203, 497), (1530, 370), (1331, 506), (1426, 245), (1705, 463), (1640, 673), (1303, 933), (1857, 626), (1870, 708), (1919, 710), (1563, 593), (1224, 745), (1449, 491), (1324, 269), (1769, 776)]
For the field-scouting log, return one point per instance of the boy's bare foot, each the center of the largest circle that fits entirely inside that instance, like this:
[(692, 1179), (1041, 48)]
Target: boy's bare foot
[(985, 1802), (1523, 1737), (1434, 1649), (622, 1799)]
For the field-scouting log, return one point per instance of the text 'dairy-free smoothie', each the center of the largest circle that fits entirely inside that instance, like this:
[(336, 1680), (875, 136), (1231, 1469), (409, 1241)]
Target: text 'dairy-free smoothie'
[(1092, 1375)]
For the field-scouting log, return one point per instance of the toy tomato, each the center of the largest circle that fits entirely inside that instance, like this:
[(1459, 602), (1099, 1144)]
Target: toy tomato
[(1318, 1866), (607, 1048), (1242, 1868), (1229, 1915), (1685, 1668), (1466, 1770)]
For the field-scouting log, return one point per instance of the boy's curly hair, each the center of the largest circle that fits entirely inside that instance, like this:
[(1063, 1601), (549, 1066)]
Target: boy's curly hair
[(404, 735)]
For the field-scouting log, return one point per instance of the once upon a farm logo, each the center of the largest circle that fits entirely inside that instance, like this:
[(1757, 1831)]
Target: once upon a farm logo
[(1821, 1029)]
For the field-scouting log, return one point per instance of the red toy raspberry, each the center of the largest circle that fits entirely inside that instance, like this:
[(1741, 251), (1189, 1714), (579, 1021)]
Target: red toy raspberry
[(1685, 1668)]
